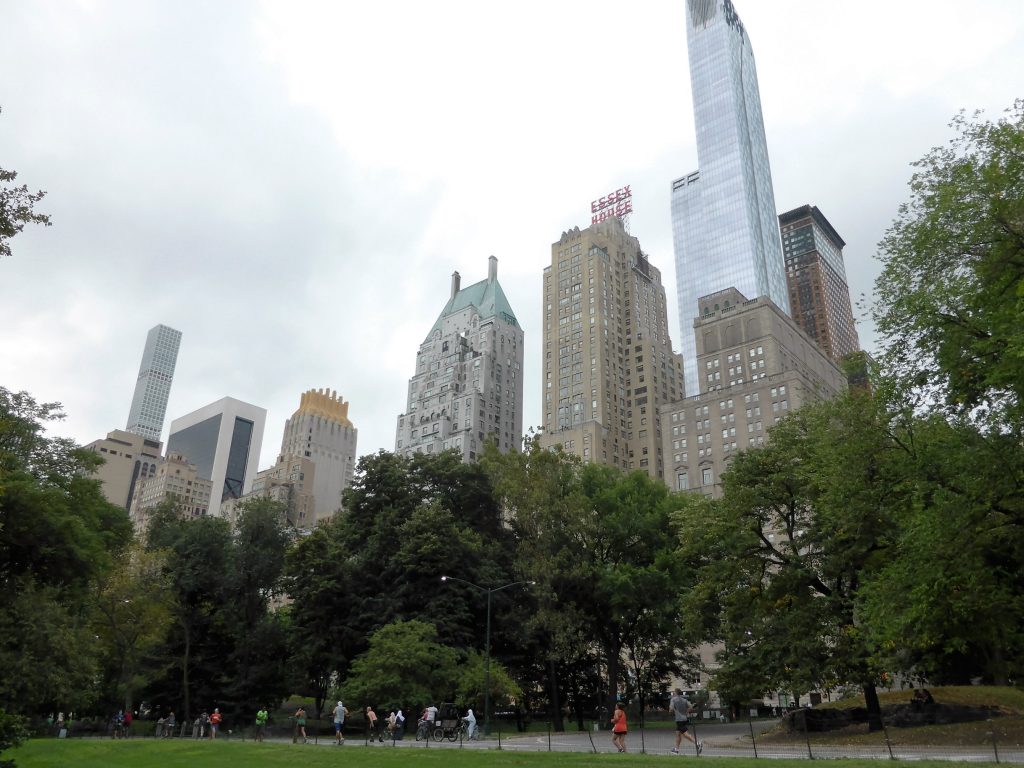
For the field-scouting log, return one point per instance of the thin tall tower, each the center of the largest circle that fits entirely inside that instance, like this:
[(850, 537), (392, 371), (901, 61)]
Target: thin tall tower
[(724, 224), (149, 404)]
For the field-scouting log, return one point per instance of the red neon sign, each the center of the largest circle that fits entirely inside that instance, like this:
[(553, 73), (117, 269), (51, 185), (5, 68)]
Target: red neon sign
[(614, 204)]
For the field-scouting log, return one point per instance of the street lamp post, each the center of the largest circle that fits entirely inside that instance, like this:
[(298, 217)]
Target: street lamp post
[(487, 642)]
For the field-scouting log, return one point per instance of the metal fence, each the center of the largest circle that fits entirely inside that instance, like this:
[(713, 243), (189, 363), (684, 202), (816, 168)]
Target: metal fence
[(801, 734)]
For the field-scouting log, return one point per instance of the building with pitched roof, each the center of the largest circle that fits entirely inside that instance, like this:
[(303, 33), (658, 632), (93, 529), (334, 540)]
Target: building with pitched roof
[(468, 384)]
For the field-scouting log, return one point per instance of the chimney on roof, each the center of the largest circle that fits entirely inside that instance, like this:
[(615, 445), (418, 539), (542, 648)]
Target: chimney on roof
[(455, 283), (492, 269)]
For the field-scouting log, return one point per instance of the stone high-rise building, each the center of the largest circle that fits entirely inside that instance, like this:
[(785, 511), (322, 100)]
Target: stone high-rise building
[(175, 478), (153, 388), (608, 358), (128, 458), (468, 385), (756, 365), (724, 221), (290, 482), (819, 295), (320, 431)]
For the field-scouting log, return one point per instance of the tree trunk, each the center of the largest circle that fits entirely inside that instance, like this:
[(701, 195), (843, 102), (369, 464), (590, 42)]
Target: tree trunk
[(874, 707), (553, 699), (184, 677), (613, 683)]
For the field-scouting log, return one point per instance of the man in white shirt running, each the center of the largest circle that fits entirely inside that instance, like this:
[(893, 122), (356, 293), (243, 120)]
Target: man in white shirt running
[(339, 723)]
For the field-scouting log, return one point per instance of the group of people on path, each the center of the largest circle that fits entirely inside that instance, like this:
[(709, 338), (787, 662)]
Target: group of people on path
[(205, 726), (393, 726), (680, 707)]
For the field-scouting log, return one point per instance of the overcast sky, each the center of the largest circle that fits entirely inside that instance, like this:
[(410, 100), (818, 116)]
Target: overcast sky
[(291, 184)]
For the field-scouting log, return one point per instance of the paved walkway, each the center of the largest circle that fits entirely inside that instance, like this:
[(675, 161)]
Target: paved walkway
[(729, 740)]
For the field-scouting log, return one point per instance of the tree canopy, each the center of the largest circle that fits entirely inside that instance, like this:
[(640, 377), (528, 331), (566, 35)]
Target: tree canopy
[(17, 208), (949, 303)]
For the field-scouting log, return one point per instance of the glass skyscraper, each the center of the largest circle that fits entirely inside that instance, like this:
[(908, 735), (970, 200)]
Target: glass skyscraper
[(153, 387), (724, 224)]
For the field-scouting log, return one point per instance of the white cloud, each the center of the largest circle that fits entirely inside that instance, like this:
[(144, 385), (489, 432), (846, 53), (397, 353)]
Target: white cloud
[(292, 184)]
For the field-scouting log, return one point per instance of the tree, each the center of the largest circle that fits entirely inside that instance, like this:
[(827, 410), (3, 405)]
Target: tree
[(198, 552), (17, 208), (226, 648), (57, 536), (12, 733), (950, 299), (602, 548), (257, 658), (408, 521), (946, 603), (803, 522), (403, 665), (950, 308), (132, 612)]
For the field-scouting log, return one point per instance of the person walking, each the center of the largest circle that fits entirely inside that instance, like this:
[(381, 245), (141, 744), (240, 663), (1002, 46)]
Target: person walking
[(682, 708), (170, 725), (373, 723), (261, 723), (400, 724), (300, 725), (215, 719), (339, 723), (619, 728)]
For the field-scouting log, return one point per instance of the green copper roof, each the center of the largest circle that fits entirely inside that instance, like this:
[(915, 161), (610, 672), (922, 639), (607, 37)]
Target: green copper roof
[(486, 296)]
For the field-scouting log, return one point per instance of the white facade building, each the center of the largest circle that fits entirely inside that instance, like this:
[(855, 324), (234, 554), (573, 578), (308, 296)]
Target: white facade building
[(153, 387), (223, 441), (468, 384)]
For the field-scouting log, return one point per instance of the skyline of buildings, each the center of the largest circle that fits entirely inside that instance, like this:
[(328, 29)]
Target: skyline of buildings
[(724, 221), (614, 391), (153, 386), (468, 382)]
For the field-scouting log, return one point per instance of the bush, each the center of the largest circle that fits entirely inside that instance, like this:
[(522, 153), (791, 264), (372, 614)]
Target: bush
[(13, 731)]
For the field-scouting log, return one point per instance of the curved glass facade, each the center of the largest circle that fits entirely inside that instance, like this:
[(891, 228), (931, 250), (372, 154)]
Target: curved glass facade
[(724, 223)]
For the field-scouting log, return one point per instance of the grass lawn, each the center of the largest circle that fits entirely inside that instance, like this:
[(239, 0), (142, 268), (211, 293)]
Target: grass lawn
[(148, 753)]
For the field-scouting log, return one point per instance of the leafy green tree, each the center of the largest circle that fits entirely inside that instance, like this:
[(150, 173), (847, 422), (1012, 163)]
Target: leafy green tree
[(12, 733), (946, 603), (408, 521), (320, 579), (802, 524), (257, 657), (403, 665), (198, 553), (17, 208), (950, 308), (602, 548), (226, 647), (132, 613), (949, 303), (57, 536), (472, 679)]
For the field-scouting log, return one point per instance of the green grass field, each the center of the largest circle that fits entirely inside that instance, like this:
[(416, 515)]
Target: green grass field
[(106, 753)]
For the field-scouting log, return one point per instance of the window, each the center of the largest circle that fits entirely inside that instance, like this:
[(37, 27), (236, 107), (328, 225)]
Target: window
[(707, 476)]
